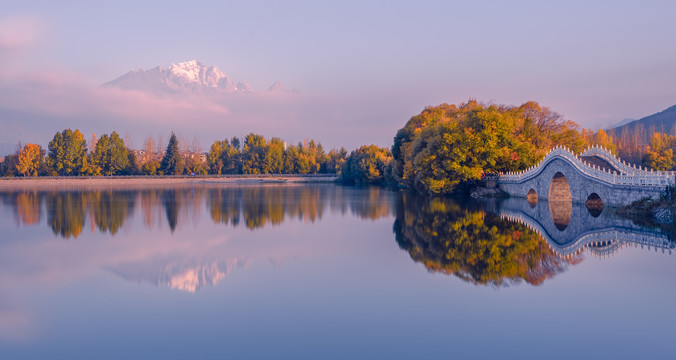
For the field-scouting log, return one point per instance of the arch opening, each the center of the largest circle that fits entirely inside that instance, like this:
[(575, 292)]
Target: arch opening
[(594, 205), (532, 198), (560, 201)]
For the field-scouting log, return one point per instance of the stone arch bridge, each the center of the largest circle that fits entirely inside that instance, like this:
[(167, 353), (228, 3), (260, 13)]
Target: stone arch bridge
[(595, 174)]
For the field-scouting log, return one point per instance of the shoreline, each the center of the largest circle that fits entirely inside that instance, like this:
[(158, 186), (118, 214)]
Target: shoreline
[(127, 182)]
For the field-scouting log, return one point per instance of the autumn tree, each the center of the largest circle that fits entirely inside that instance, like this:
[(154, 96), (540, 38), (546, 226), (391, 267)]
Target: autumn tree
[(660, 153), (601, 138), (148, 150), (31, 160), (449, 145)]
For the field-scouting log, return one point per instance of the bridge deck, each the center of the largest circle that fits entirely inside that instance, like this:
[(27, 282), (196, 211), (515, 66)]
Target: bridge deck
[(599, 162)]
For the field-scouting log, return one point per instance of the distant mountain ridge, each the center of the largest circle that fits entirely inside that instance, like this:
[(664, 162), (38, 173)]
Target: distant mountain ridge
[(620, 123), (663, 121), (192, 76)]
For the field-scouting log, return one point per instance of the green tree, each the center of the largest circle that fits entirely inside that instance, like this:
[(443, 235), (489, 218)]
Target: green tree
[(8, 167), (290, 159), (335, 160), (193, 165), (172, 162), (274, 157), (366, 165), (134, 167), (67, 213), (215, 156), (253, 154), (68, 153), (111, 155)]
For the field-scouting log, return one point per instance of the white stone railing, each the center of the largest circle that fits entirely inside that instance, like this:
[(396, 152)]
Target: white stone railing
[(608, 156), (637, 176), (596, 238)]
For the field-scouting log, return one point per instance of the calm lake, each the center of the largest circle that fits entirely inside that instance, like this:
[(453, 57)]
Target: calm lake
[(326, 272)]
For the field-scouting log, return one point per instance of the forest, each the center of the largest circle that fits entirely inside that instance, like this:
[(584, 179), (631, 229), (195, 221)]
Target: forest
[(444, 149), (69, 154)]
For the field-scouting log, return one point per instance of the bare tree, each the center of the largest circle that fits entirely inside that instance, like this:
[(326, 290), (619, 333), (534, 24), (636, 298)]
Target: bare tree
[(160, 143), (183, 145), (128, 140), (92, 143), (149, 147), (196, 147)]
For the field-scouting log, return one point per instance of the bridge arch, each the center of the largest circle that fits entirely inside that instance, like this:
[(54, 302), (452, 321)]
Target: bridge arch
[(594, 204), (532, 197), (559, 189)]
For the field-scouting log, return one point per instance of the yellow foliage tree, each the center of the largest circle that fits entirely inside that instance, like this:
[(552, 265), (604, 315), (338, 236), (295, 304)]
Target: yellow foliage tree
[(30, 160), (659, 154), (603, 139)]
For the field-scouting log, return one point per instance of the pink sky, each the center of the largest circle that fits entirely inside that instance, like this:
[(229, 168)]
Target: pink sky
[(362, 69)]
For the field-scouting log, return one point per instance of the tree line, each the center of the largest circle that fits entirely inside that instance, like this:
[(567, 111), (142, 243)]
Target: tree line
[(69, 154), (443, 149)]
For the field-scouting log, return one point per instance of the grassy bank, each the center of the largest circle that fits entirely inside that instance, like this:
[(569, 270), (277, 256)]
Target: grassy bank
[(143, 181)]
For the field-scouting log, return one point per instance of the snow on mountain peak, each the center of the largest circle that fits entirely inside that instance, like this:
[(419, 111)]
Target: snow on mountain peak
[(196, 72), (191, 75)]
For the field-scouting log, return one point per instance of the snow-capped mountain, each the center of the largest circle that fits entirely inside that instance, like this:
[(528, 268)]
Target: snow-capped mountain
[(191, 76), (190, 276)]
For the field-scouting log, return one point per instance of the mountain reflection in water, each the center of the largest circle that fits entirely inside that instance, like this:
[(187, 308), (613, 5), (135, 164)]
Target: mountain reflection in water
[(491, 243)]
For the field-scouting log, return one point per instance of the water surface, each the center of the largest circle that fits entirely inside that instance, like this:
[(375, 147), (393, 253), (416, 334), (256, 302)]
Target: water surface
[(324, 271)]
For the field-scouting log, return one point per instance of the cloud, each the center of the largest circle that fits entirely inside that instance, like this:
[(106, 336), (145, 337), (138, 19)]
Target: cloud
[(39, 103), (19, 32)]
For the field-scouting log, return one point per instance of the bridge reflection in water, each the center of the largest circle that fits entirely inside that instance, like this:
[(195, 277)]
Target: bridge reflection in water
[(603, 234), (512, 241)]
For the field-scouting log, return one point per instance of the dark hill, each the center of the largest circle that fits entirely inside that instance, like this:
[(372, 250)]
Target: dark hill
[(642, 129)]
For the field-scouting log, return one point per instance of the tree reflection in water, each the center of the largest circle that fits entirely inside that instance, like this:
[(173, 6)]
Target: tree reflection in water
[(66, 212), (252, 206), (476, 246), (442, 234), (110, 209), (262, 205), (26, 206)]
